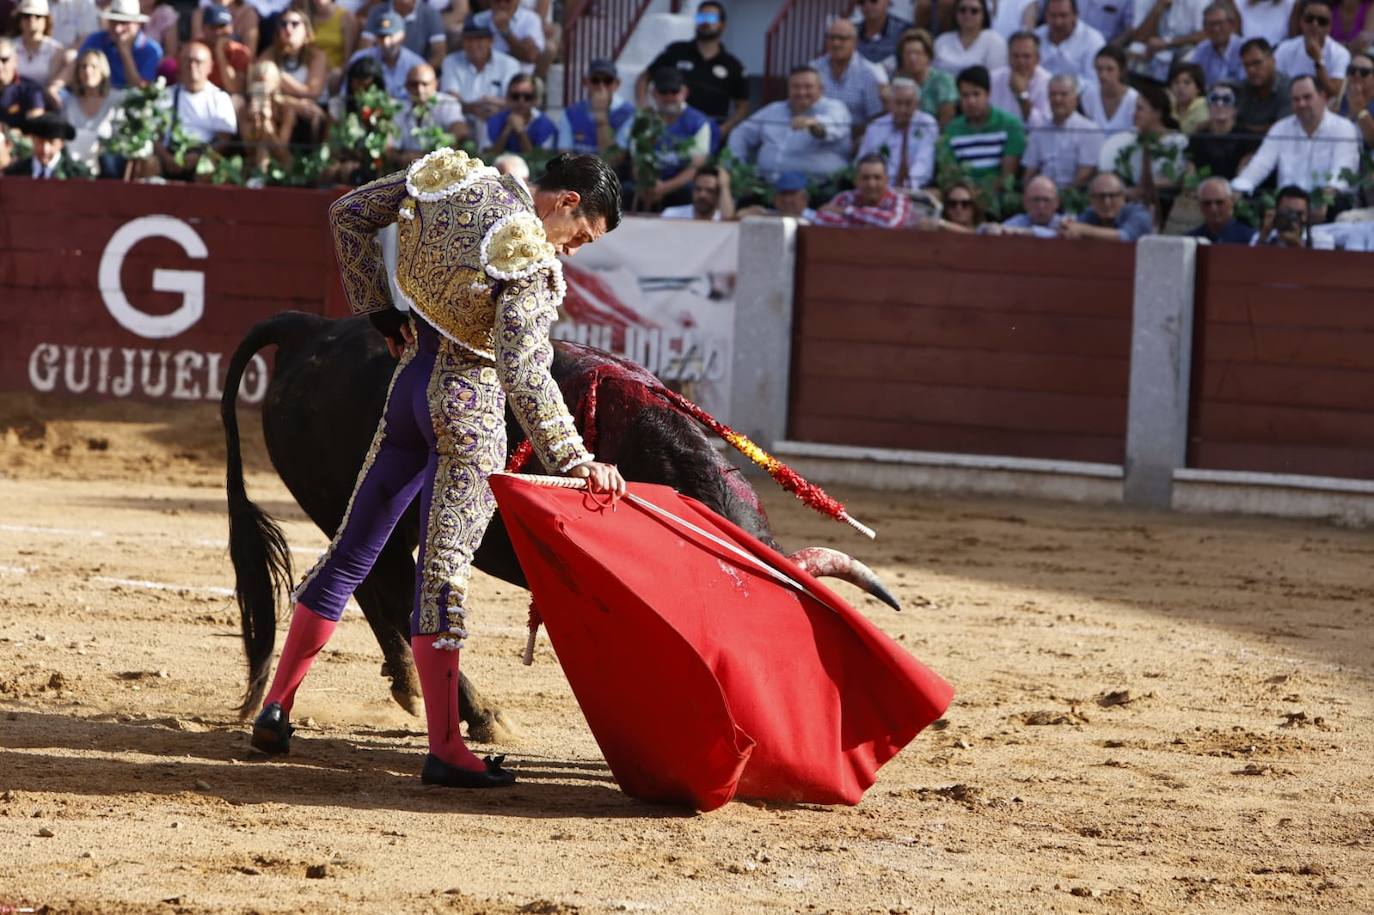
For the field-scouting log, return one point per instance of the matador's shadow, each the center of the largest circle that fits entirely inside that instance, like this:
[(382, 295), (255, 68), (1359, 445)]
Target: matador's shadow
[(365, 774)]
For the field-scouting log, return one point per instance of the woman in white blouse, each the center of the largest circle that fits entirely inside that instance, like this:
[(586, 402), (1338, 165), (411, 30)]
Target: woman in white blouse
[(92, 107), (973, 43), (40, 55), (1155, 129), (1110, 103)]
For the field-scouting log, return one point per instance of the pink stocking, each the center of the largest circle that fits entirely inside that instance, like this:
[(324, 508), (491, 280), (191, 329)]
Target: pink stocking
[(309, 633), (438, 669)]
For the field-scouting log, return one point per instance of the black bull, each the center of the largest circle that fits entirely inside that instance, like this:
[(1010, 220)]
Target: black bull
[(327, 390)]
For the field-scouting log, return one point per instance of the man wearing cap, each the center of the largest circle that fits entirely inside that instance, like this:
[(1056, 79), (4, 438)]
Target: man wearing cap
[(984, 140), (714, 76), (478, 74), (689, 138), (790, 199), (422, 24), (601, 120), (807, 133), (133, 56), (231, 58), (391, 52), (48, 133), (20, 98)]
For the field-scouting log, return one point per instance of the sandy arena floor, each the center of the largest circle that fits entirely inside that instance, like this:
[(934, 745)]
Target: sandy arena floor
[(1155, 713)]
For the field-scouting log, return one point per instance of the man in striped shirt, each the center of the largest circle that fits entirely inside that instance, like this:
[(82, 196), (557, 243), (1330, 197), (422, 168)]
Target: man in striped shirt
[(984, 140), (872, 203)]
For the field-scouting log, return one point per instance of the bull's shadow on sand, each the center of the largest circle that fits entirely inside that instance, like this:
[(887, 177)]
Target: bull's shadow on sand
[(365, 772)]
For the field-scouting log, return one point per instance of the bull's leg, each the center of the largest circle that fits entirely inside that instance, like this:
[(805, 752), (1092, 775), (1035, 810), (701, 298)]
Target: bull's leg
[(385, 597), (486, 722)]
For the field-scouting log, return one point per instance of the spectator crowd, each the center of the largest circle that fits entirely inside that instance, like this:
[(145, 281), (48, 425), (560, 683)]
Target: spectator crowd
[(1239, 122)]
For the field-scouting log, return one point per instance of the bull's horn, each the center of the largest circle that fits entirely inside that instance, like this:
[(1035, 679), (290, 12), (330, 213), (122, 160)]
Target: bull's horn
[(821, 561)]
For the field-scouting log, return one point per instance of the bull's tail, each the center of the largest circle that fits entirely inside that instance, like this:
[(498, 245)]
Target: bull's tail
[(257, 546)]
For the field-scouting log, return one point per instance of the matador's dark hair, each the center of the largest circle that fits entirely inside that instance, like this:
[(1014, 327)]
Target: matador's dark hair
[(593, 181)]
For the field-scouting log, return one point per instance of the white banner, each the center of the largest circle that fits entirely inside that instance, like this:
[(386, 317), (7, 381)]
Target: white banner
[(660, 292)]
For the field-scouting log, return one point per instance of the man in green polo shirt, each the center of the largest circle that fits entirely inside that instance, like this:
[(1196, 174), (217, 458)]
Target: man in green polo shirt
[(984, 140)]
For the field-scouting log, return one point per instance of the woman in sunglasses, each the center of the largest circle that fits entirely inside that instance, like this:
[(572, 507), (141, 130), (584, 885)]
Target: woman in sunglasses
[(973, 43), (1358, 103), (304, 70), (1220, 146)]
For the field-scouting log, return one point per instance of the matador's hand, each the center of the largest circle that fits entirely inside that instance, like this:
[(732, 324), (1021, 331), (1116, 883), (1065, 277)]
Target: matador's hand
[(601, 478)]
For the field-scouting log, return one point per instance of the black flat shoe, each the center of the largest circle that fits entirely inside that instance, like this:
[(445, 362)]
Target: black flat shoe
[(272, 731), (438, 772)]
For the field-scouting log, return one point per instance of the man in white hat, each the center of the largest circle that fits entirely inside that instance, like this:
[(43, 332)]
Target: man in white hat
[(133, 56)]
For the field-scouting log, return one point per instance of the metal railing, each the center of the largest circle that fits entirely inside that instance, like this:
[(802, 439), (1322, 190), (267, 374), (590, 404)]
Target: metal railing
[(795, 36), (592, 29)]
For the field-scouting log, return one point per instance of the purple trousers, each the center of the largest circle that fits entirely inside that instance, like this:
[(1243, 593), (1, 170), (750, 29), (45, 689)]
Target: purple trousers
[(442, 433)]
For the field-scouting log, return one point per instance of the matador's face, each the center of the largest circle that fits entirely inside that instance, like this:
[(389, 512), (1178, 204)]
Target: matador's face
[(566, 228)]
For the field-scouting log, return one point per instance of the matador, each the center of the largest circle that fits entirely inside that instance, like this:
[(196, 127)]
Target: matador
[(478, 256)]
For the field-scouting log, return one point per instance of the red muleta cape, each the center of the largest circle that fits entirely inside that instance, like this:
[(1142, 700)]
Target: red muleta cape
[(701, 677)]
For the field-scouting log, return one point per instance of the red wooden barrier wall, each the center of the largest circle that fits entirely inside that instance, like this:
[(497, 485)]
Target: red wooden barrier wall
[(265, 251), (973, 344), (1283, 366)]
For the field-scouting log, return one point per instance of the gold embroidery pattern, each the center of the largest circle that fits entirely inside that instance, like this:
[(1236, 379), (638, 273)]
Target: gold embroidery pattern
[(439, 262), (355, 219), (526, 309), (516, 246), (467, 406), (377, 438)]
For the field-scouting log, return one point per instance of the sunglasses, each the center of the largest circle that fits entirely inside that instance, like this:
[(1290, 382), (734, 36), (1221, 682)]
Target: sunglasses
[(970, 9), (522, 96), (1221, 98), (602, 80), (955, 203), (1361, 72), (707, 18), (1314, 19)]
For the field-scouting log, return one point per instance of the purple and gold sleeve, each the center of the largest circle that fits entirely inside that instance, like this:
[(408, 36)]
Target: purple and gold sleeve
[(355, 219)]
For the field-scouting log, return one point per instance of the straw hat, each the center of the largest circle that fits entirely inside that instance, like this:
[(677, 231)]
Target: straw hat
[(34, 8), (123, 11)]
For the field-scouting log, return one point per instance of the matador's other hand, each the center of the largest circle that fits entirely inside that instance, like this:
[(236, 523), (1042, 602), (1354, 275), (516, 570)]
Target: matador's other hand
[(396, 347), (601, 478)]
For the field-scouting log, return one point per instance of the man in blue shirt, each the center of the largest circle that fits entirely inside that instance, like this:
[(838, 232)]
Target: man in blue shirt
[(689, 138), (133, 56), (522, 127), (1218, 225), (1109, 217), (601, 120)]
